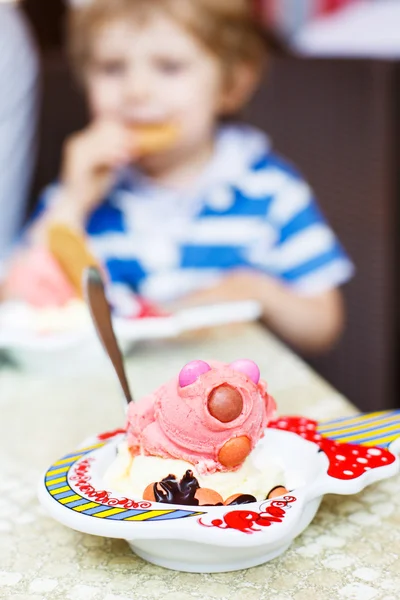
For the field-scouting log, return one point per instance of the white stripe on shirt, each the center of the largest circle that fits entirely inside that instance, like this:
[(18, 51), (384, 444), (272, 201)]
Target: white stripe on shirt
[(152, 251), (294, 197), (226, 231), (262, 183), (306, 245), (325, 278)]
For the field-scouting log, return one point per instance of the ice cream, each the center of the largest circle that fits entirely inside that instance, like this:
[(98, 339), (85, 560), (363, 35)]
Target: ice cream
[(50, 276), (23, 319), (39, 264), (199, 432), (211, 417), (44, 288), (132, 475)]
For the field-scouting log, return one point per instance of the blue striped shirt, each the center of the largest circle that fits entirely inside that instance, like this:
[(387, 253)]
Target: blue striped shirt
[(249, 209)]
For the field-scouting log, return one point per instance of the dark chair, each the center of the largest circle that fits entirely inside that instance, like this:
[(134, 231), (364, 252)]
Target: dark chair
[(338, 120)]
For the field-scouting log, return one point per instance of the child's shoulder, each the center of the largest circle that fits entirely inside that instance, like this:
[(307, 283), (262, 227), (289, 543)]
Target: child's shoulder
[(274, 161), (246, 149), (258, 177)]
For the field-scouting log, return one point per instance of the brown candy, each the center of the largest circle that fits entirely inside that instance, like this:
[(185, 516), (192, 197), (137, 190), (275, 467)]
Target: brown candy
[(277, 491), (207, 496), (234, 452), (225, 403)]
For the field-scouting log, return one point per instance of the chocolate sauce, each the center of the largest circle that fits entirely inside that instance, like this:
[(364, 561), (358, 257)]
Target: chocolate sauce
[(177, 492), (243, 499), (183, 492)]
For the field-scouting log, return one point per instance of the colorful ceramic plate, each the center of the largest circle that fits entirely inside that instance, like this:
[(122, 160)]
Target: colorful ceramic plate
[(342, 457)]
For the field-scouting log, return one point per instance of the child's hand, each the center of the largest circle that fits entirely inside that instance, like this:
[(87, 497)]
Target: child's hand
[(90, 160), (36, 278)]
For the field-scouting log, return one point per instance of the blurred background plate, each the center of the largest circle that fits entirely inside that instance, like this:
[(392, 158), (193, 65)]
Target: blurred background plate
[(72, 350)]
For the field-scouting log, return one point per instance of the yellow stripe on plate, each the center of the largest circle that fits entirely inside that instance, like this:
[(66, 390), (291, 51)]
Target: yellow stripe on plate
[(83, 450), (54, 481), (371, 427), (367, 435), (109, 513), (381, 441), (83, 507), (70, 499), (57, 471), (60, 490), (149, 515), (68, 460), (359, 420)]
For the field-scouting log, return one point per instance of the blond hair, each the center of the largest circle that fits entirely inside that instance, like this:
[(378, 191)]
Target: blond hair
[(226, 28)]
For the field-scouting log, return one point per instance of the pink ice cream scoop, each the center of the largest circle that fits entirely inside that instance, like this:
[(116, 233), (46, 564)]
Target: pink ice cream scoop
[(212, 416), (38, 279)]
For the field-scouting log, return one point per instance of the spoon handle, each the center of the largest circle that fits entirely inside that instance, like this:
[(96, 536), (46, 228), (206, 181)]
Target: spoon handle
[(101, 315)]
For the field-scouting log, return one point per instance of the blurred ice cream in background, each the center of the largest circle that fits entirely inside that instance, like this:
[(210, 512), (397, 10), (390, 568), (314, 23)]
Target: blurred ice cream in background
[(358, 28), (362, 29)]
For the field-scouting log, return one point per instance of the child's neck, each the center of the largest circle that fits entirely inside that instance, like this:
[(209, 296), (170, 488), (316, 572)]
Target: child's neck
[(180, 170)]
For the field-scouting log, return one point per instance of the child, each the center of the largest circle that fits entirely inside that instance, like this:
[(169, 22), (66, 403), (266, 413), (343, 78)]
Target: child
[(211, 215)]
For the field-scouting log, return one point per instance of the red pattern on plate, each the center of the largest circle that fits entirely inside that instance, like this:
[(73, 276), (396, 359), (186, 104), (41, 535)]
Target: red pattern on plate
[(108, 435), (148, 310), (246, 521), (81, 479), (347, 461)]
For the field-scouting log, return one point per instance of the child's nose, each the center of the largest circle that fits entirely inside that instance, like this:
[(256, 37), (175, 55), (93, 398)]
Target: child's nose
[(137, 87)]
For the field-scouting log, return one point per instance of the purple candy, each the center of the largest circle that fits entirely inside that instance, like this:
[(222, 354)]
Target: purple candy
[(192, 371), (248, 367)]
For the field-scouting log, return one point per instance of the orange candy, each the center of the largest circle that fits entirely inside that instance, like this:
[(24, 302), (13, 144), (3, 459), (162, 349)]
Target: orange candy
[(207, 496), (234, 452), (231, 499), (148, 493), (280, 490)]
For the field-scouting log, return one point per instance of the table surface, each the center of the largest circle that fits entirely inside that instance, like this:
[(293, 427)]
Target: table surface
[(350, 551)]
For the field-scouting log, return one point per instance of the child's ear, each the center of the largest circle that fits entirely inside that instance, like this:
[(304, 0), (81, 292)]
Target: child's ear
[(239, 88)]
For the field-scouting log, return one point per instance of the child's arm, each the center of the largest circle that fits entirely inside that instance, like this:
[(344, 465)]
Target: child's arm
[(309, 323)]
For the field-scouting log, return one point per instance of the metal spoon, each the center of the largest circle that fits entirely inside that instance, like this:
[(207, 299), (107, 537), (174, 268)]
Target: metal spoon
[(101, 316)]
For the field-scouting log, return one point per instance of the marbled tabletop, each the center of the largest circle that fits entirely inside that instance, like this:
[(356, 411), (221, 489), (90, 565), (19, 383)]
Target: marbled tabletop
[(351, 551)]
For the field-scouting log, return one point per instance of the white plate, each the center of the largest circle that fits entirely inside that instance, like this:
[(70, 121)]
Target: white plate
[(204, 539), (67, 349)]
